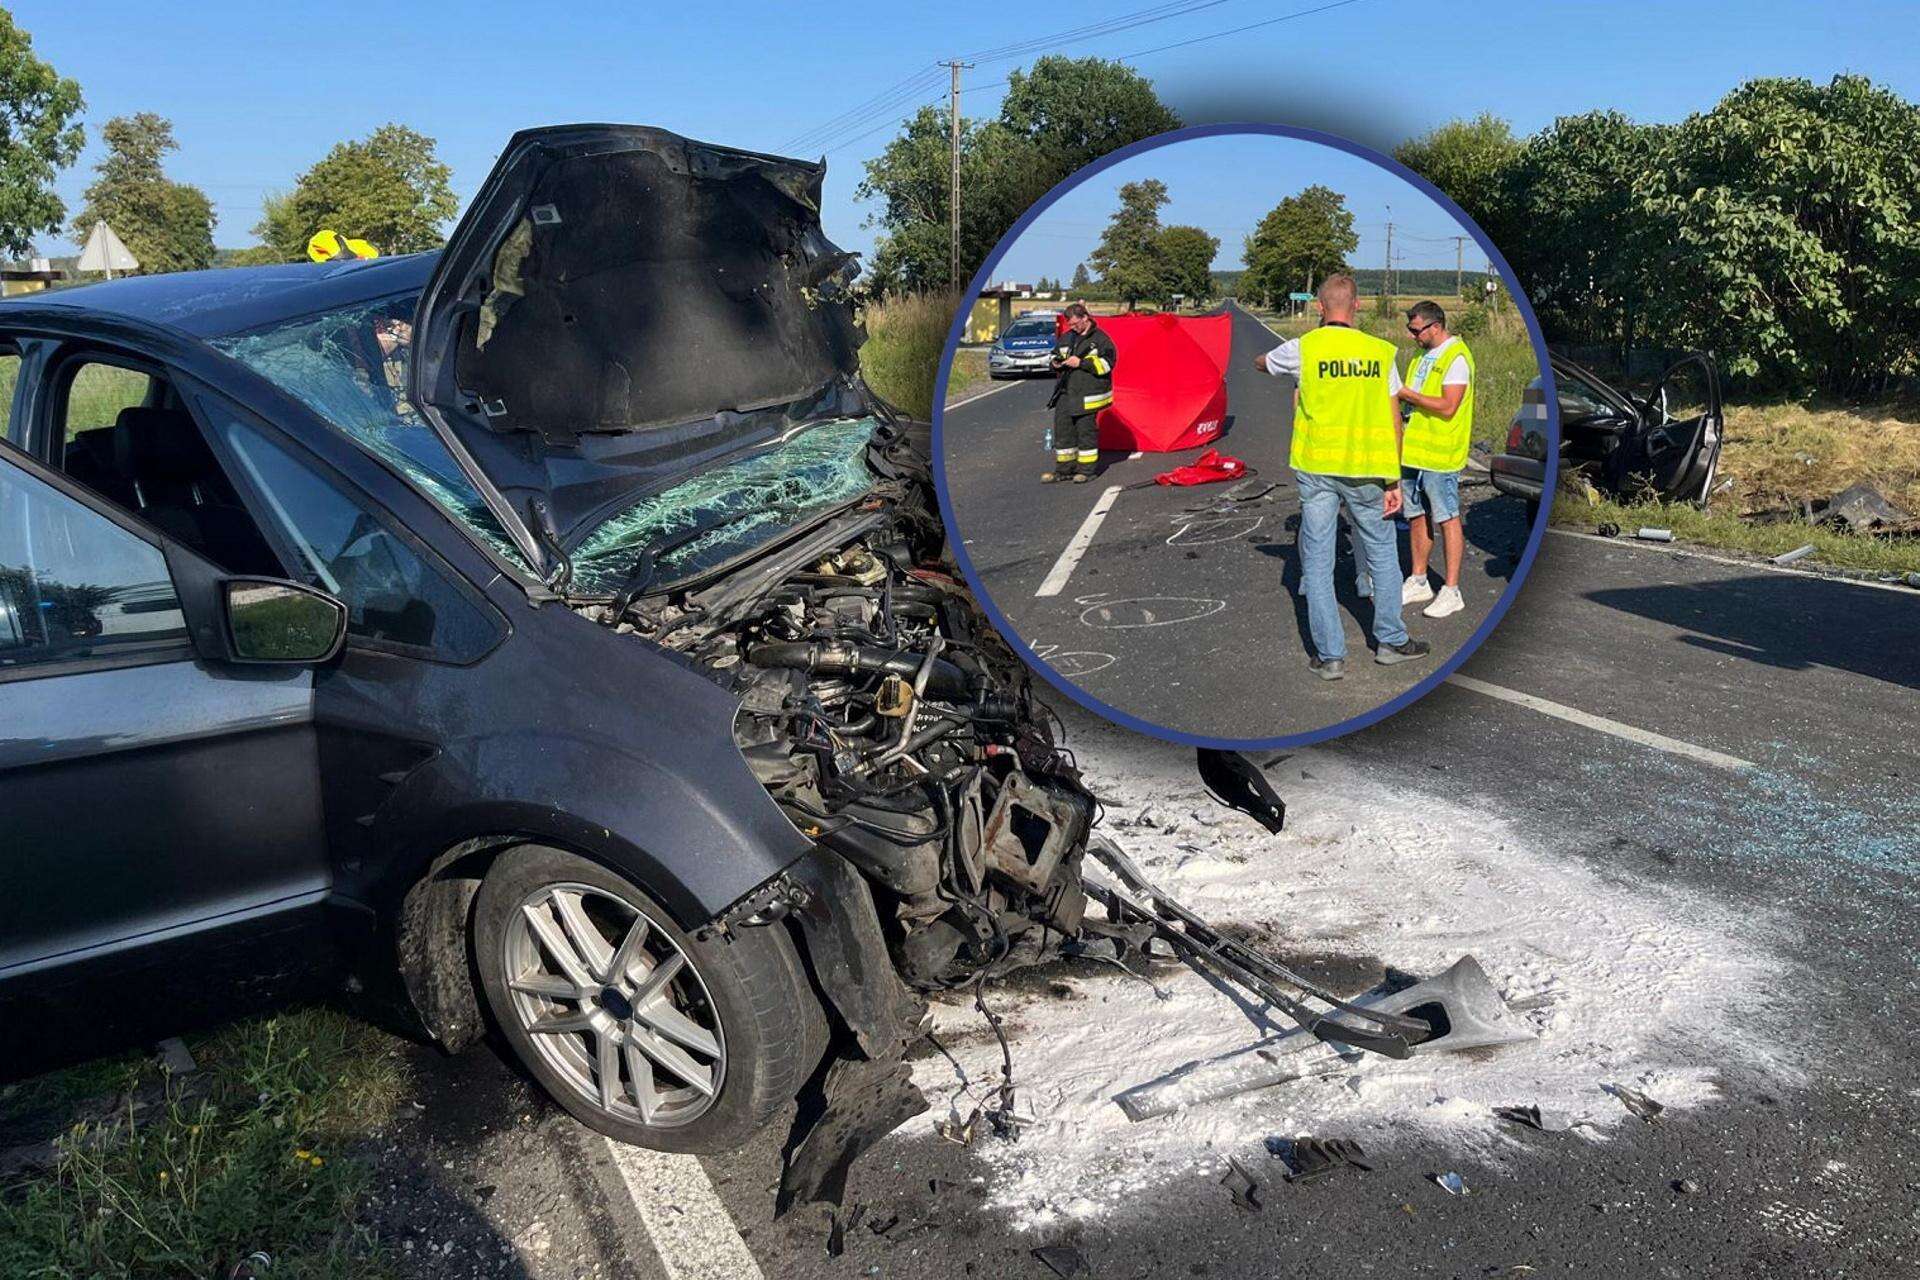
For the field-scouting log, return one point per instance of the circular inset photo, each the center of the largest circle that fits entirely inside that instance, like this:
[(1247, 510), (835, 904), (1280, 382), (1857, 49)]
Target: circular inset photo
[(1234, 443)]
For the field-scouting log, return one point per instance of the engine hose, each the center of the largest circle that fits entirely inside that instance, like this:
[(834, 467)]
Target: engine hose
[(944, 680)]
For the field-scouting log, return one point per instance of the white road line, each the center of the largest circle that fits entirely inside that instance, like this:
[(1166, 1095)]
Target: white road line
[(1135, 454), (1681, 549), (683, 1215), (1587, 720), (979, 395), (1078, 544)]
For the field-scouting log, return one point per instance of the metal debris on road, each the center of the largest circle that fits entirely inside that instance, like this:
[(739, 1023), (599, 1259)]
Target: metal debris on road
[(1451, 1183), (1687, 1187), (1798, 553), (1635, 1101), (1861, 508), (1063, 1260), (1242, 1185), (1608, 529), (1649, 534), (1913, 579), (1309, 1159), (841, 1224)]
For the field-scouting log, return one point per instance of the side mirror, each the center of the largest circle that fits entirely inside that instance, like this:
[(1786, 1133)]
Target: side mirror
[(271, 620)]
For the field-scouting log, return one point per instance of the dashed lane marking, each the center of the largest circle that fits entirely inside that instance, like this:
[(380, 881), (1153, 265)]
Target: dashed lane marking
[(689, 1227), (1056, 579), (1600, 724)]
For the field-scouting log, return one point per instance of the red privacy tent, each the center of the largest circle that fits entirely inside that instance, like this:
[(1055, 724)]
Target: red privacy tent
[(1169, 381)]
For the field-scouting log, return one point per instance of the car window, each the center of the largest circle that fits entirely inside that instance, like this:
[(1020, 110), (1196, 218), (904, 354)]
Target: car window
[(9, 379), (393, 596), (350, 367), (97, 394), (1030, 329), (1578, 400), (73, 584)]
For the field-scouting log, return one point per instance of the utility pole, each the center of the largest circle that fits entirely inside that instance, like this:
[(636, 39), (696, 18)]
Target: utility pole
[(1459, 256), (1386, 270), (953, 181)]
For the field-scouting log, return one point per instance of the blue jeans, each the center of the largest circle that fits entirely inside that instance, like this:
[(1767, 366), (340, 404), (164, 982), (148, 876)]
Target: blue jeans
[(1320, 501), (1431, 493)]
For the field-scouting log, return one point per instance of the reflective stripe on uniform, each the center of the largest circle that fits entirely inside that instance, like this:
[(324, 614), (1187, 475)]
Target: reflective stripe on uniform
[(1063, 455), (1344, 419), (1434, 443), (1099, 366), (1089, 455), (1100, 401)]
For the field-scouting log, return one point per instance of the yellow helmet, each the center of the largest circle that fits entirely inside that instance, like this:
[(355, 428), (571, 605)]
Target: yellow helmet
[(328, 244)]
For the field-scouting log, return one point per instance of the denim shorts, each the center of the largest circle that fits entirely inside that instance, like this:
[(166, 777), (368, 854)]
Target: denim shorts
[(1430, 493)]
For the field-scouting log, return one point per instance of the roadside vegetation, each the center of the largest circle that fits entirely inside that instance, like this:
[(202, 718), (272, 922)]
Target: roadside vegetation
[(906, 334), (154, 1174)]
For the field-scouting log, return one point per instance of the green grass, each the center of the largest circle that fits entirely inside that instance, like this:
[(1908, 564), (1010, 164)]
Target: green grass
[(186, 1176), (1727, 531), (905, 338)]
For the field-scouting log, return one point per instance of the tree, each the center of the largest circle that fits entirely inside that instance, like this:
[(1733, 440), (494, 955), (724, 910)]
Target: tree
[(1188, 253), (1470, 160), (1056, 117), (38, 138), (1080, 278), (1128, 256), (167, 225), (389, 188), (1301, 241)]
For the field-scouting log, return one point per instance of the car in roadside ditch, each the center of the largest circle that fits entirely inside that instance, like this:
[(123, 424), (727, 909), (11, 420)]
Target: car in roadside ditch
[(1663, 444), (1024, 347), (436, 633)]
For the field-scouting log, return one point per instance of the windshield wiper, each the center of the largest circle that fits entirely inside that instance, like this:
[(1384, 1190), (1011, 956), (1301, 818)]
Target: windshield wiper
[(646, 565)]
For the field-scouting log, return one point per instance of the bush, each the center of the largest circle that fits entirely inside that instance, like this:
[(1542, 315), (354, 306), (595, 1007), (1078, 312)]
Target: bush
[(1472, 322), (906, 335)]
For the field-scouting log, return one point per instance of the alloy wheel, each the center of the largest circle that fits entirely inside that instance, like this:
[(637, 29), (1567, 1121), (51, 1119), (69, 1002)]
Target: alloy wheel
[(614, 1005)]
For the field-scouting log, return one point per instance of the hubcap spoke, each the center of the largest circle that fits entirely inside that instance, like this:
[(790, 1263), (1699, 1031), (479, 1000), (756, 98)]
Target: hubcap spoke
[(674, 1059), (678, 1027), (553, 1023), (621, 966), (645, 1096), (548, 985), (655, 982), (587, 941), (555, 944), (608, 1054)]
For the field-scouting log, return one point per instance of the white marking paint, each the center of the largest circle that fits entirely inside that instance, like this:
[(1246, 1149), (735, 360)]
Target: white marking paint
[(1073, 663), (1204, 532), (1692, 553), (1056, 579), (1145, 611), (1135, 454), (690, 1228), (979, 395), (1601, 724)]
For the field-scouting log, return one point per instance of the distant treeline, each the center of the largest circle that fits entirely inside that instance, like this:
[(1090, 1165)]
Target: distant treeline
[(1438, 283)]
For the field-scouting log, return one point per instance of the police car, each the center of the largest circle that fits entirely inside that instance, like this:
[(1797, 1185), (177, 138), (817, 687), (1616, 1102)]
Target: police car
[(1024, 347)]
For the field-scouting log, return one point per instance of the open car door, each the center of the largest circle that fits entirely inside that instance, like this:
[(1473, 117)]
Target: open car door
[(1676, 451)]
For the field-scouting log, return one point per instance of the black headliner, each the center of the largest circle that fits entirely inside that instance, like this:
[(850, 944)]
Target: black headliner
[(209, 304)]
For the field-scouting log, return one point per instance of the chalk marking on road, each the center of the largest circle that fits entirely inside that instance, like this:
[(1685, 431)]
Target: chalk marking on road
[(689, 1227), (1236, 526), (1056, 579), (1052, 655), (1627, 544), (1587, 720), (1145, 611), (978, 395)]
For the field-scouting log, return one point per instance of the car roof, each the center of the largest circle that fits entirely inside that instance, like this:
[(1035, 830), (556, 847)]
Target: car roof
[(209, 304)]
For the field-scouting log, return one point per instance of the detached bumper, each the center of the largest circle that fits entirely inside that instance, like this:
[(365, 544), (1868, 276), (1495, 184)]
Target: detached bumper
[(1521, 477)]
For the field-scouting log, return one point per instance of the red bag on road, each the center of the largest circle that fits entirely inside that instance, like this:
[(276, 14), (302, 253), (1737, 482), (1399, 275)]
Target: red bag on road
[(1208, 468), (1169, 381)]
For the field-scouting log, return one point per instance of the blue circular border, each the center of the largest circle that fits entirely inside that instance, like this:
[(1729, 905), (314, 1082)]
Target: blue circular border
[(958, 330)]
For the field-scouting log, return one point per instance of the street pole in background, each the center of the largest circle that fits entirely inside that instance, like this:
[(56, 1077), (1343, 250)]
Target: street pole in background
[(1459, 256), (953, 183), (1386, 269)]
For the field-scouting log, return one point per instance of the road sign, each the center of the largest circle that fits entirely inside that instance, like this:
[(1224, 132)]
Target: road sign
[(104, 252), (1299, 297)]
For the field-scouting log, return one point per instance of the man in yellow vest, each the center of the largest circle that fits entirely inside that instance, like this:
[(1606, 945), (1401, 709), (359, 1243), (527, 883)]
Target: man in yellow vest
[(1433, 453), (1346, 452)]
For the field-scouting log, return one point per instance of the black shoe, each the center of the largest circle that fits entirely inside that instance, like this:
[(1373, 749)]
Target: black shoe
[(1061, 473), (1328, 668), (1392, 653)]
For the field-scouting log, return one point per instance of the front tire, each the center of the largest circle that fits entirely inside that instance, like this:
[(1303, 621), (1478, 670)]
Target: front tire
[(634, 1026)]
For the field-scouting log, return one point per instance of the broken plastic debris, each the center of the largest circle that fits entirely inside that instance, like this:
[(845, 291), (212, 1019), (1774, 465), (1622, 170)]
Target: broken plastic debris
[(1649, 534), (1309, 1159), (1242, 1186), (1535, 1117), (1686, 1187), (1635, 1101), (1063, 1260), (1608, 529), (1798, 553), (1451, 1183)]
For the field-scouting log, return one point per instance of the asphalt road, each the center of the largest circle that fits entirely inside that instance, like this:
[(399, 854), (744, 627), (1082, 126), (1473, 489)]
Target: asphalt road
[(1184, 608), (1740, 737)]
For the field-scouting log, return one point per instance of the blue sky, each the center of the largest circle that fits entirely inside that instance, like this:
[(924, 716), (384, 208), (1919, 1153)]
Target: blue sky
[(258, 92)]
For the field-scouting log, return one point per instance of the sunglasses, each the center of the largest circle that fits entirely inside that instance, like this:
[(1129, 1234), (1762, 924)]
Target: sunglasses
[(1417, 329)]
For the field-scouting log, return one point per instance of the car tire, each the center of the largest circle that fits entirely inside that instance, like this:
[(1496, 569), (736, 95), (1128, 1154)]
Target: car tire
[(737, 1009)]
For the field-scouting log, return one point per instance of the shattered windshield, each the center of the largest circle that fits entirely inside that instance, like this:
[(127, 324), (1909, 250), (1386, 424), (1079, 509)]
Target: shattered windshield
[(350, 367), (739, 505)]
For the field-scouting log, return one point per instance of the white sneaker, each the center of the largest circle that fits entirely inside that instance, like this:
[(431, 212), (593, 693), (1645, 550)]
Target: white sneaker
[(1416, 589), (1447, 602)]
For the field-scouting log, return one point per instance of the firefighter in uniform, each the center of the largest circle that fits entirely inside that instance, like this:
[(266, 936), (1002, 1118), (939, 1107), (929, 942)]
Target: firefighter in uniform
[(1083, 362), (1345, 452)]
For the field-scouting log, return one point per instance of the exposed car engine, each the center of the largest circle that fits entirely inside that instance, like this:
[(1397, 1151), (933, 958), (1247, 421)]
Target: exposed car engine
[(887, 717)]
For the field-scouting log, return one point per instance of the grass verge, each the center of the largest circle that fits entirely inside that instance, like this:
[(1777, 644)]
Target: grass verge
[(187, 1175), (1724, 530), (901, 358)]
